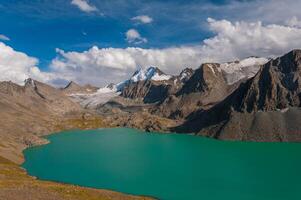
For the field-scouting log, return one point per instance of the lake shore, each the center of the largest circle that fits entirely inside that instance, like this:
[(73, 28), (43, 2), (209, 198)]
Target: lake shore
[(16, 184), (135, 162)]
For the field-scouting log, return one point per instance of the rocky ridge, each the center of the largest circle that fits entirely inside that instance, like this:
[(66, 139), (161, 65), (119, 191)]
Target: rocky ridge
[(264, 108)]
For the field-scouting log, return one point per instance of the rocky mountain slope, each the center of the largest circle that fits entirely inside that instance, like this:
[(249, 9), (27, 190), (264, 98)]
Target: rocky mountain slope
[(206, 87), (152, 86), (24, 108), (241, 69), (27, 113), (155, 88), (264, 108), (74, 88), (30, 111), (180, 95)]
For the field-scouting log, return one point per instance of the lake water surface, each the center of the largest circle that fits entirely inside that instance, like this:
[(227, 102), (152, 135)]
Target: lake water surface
[(171, 166)]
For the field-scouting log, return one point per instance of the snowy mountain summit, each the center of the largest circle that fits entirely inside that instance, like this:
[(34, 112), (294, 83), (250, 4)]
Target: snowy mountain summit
[(102, 95), (151, 73), (232, 72), (241, 69)]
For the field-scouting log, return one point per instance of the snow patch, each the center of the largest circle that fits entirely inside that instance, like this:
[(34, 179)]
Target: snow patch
[(150, 73), (211, 67), (100, 97), (246, 68), (161, 77)]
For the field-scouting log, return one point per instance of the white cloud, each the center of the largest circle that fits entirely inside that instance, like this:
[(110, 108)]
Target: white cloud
[(101, 66), (17, 66), (143, 19), (294, 22), (242, 39), (231, 41), (133, 36), (4, 37), (104, 65), (84, 5)]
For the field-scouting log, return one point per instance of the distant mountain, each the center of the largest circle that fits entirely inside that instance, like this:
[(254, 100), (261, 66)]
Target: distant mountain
[(185, 75), (178, 95), (224, 101), (241, 69), (264, 108), (34, 99), (150, 85), (204, 88), (73, 88), (151, 73)]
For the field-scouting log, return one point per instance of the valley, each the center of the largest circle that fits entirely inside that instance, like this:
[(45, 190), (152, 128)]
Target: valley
[(250, 100)]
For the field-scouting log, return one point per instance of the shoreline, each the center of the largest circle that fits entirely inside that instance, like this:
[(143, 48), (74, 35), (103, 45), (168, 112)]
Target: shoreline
[(11, 170)]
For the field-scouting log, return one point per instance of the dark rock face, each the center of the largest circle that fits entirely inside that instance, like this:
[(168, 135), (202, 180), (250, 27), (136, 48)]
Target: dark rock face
[(203, 89), (203, 79), (148, 91), (276, 86), (264, 108)]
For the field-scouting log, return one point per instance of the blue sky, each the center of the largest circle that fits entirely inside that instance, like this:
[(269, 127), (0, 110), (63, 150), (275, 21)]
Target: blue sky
[(39, 27)]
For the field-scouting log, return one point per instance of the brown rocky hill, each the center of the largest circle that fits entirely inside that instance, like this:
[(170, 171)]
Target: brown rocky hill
[(203, 89), (29, 109), (264, 108), (73, 88)]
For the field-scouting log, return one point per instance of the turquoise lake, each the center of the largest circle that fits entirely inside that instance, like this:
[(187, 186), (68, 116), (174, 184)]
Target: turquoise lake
[(169, 166)]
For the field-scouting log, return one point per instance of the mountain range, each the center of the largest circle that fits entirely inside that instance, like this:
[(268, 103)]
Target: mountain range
[(255, 99)]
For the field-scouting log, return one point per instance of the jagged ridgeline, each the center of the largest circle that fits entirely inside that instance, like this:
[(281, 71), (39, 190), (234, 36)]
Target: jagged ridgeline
[(265, 107), (253, 99)]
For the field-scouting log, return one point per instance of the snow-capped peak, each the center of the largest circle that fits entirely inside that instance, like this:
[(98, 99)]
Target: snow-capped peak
[(186, 74), (151, 73), (246, 68)]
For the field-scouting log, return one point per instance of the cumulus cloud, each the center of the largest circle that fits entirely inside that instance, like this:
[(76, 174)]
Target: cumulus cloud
[(100, 66), (143, 19), (17, 66), (294, 22), (242, 39), (4, 37), (231, 41), (133, 36), (84, 5)]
